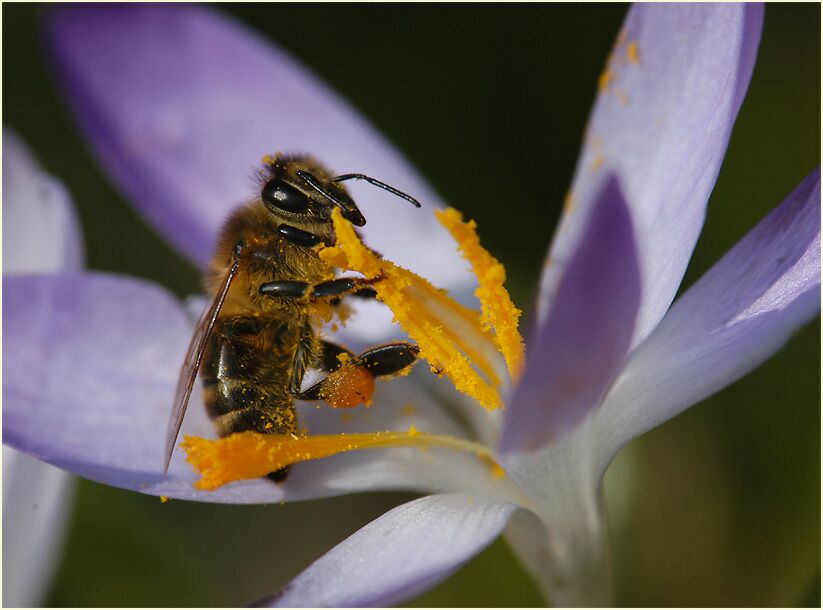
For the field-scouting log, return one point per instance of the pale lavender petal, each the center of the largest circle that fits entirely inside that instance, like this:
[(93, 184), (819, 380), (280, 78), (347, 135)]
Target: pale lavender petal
[(36, 508), (566, 549), (737, 315), (583, 342), (90, 366), (398, 405), (91, 363), (181, 103), (41, 232), (399, 555), (669, 97)]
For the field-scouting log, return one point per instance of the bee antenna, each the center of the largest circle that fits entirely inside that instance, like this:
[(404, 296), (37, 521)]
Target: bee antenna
[(315, 184), (377, 183)]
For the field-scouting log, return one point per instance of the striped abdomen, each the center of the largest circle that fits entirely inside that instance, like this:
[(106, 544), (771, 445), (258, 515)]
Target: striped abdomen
[(246, 371)]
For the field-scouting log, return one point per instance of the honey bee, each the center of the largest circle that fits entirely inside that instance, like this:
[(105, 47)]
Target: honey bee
[(260, 333)]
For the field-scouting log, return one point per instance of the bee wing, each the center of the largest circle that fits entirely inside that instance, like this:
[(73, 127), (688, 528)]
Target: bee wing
[(194, 356)]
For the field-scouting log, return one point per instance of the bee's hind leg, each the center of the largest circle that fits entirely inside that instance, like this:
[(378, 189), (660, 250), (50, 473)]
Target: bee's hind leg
[(331, 356), (388, 359), (381, 361)]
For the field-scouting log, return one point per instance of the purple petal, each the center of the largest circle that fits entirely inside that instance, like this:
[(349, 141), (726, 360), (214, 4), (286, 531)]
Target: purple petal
[(180, 105), (669, 97), (399, 555), (36, 508), (91, 363), (586, 336), (89, 375), (41, 232), (737, 315)]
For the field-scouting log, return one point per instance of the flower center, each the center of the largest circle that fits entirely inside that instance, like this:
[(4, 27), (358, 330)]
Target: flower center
[(457, 342)]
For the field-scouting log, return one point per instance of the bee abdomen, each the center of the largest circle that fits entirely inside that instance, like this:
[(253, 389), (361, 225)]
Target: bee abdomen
[(254, 419), (245, 382)]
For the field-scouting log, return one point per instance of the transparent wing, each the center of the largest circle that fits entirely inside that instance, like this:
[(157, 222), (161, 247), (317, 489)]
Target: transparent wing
[(194, 356)]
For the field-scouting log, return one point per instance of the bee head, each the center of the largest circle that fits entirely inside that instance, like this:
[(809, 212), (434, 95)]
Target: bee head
[(300, 191)]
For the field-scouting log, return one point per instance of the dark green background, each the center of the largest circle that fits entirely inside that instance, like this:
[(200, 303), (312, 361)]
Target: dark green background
[(724, 500)]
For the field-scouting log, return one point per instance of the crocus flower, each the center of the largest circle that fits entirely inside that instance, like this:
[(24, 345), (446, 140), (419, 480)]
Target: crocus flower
[(40, 235), (178, 103)]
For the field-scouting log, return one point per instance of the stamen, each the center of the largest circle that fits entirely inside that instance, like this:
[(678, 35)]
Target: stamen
[(249, 455), (419, 308), (498, 310)]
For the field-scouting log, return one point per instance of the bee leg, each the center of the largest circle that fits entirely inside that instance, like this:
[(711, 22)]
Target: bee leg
[(324, 290), (388, 359), (342, 287), (299, 236), (380, 361), (285, 288), (327, 361), (329, 358)]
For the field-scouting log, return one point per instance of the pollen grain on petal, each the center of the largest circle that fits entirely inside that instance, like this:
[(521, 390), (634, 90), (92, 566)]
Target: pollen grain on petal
[(632, 53), (604, 80), (250, 455), (568, 202), (622, 96)]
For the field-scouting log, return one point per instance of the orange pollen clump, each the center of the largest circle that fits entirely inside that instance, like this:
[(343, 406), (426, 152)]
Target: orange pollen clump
[(249, 455), (348, 386)]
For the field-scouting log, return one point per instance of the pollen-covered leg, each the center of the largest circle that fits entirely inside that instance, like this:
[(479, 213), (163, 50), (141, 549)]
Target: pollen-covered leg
[(351, 381)]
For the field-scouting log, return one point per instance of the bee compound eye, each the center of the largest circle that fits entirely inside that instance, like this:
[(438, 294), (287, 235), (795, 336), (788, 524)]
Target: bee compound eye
[(283, 196)]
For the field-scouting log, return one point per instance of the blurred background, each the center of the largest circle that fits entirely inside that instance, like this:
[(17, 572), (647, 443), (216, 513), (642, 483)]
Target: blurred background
[(720, 506)]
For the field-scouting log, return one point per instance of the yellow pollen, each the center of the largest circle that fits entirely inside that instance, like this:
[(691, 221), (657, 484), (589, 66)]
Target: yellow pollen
[(568, 202), (164, 499), (450, 337), (268, 159), (632, 53), (498, 310), (597, 162), (348, 386), (249, 455), (605, 80)]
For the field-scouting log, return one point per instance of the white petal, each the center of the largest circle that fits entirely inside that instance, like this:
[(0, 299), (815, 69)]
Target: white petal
[(564, 547), (36, 501), (40, 228)]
